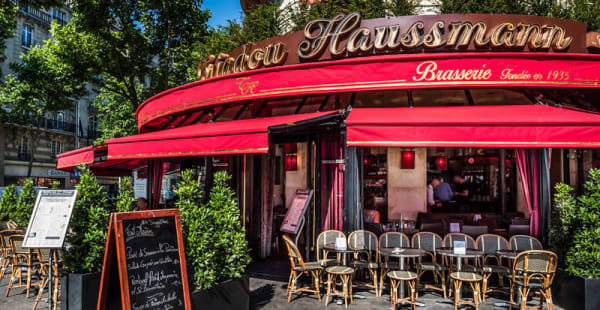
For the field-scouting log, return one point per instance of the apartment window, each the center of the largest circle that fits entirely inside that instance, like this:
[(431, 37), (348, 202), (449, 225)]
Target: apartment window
[(58, 120), (56, 147), (58, 16), (24, 148), (27, 36)]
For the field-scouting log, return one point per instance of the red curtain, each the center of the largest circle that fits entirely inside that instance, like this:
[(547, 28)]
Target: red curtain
[(332, 183), (528, 162)]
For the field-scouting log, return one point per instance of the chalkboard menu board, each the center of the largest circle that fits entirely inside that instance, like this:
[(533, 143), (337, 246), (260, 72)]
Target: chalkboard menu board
[(296, 211), (150, 260)]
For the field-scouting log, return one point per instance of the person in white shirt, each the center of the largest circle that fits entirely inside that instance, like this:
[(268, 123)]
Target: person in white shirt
[(430, 194)]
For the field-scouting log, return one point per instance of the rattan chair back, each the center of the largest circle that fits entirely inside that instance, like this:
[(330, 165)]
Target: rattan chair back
[(524, 243), (325, 238), (451, 237), (394, 240), (490, 243), (293, 253)]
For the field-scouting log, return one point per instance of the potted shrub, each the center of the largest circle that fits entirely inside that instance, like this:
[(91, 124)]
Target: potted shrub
[(85, 241), (21, 214), (215, 244), (575, 238), (126, 199), (8, 203)]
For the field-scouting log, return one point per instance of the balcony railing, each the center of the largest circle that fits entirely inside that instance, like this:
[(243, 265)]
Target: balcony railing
[(38, 15), (60, 125)]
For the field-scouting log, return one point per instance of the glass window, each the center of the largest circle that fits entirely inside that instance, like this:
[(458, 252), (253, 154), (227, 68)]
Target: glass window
[(381, 99), (58, 16), (56, 147), (230, 112), (27, 36), (439, 97), (277, 107), (498, 96)]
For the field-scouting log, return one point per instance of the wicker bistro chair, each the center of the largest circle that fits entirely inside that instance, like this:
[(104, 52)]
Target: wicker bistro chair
[(22, 259), (524, 243), (429, 242), (474, 280), (390, 240), (43, 256), (5, 251), (490, 244), (299, 267), (325, 238), (533, 271), (365, 243), (396, 277)]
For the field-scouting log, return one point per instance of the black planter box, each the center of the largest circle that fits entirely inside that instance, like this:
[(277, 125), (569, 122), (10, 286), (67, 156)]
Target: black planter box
[(79, 291), (575, 292), (230, 295)]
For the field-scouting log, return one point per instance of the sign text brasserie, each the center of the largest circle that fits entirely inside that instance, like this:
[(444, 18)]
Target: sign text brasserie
[(348, 35)]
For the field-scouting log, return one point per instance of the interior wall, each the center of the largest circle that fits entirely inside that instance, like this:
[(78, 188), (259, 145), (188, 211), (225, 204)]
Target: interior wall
[(407, 188), (278, 192), (297, 179)]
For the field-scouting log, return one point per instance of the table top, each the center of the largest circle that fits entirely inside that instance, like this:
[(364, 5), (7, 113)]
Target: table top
[(332, 248), (468, 253), (510, 254), (402, 252)]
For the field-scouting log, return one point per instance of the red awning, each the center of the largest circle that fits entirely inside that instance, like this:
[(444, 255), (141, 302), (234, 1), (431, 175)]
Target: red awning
[(68, 160), (232, 137), (479, 126)]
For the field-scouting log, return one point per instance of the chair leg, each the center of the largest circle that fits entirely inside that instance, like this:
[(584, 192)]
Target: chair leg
[(55, 294), (287, 291), (413, 300), (456, 294), (40, 292), (317, 284), (345, 287), (28, 280), (292, 288), (512, 294), (549, 298), (524, 298), (328, 289), (13, 275), (485, 281), (443, 285)]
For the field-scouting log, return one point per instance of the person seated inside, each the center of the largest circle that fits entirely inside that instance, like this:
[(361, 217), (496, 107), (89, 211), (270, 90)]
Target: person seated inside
[(371, 214), (142, 204), (432, 204)]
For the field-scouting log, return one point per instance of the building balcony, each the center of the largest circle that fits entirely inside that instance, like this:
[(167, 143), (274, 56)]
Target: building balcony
[(37, 15), (60, 125)]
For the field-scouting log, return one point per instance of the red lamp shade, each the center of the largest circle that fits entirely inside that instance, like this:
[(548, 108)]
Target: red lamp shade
[(441, 163), (408, 160), (291, 162)]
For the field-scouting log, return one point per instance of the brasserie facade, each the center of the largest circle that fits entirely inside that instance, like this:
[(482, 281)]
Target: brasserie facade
[(366, 113)]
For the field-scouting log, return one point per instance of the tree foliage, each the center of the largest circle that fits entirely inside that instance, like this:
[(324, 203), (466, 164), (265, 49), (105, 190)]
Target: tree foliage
[(41, 83), (526, 7), (302, 12), (134, 49), (575, 233), (22, 213), (8, 203), (215, 244), (586, 11), (88, 227), (126, 199), (8, 22)]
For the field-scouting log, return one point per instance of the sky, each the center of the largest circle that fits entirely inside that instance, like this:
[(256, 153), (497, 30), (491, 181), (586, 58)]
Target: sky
[(222, 10)]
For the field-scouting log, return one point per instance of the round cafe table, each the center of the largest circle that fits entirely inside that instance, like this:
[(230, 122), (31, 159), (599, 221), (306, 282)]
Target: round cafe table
[(343, 252), (401, 254)]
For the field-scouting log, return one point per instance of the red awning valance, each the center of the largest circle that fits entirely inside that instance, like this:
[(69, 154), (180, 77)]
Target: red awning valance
[(482, 126), (68, 160), (232, 137)]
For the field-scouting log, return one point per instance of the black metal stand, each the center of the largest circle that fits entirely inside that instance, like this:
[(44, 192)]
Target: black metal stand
[(50, 272)]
